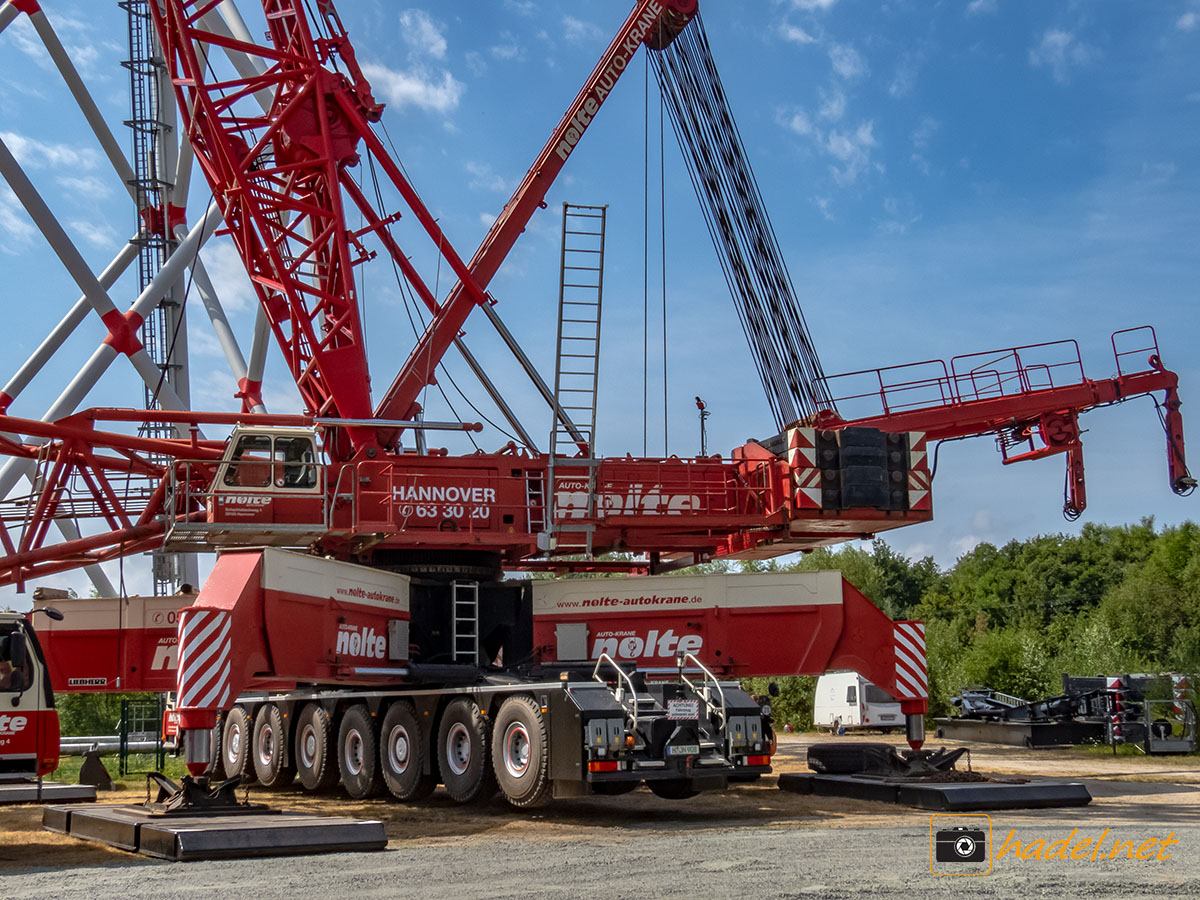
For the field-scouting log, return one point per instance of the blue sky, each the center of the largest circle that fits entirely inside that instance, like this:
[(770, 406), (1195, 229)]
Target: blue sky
[(944, 178)]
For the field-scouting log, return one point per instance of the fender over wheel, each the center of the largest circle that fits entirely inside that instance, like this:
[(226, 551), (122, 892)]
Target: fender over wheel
[(358, 753), (235, 744), (270, 748), (402, 754), (520, 753), (463, 753), (314, 753)]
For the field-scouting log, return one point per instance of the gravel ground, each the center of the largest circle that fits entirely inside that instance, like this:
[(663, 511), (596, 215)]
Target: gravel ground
[(753, 841)]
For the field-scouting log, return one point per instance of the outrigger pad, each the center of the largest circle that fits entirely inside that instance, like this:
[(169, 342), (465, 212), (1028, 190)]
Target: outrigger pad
[(52, 792), (201, 836), (940, 797)]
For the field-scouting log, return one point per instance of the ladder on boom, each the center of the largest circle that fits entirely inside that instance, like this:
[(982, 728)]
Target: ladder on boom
[(577, 358)]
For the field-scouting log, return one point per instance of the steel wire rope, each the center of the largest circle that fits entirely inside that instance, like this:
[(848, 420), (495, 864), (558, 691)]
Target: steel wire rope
[(735, 214)]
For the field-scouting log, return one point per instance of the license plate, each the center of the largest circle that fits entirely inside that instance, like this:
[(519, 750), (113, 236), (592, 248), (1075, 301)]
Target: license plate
[(683, 709), (886, 718), (684, 750)]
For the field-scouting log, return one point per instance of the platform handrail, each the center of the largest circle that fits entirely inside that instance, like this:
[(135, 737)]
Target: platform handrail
[(704, 692), (622, 676)]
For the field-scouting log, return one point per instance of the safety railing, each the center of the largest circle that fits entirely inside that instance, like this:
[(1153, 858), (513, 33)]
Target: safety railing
[(711, 684), (623, 681), (972, 377)]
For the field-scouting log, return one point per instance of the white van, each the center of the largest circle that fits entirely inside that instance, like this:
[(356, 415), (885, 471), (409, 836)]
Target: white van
[(846, 700)]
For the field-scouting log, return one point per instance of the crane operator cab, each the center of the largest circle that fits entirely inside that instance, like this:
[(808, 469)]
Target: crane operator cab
[(269, 487)]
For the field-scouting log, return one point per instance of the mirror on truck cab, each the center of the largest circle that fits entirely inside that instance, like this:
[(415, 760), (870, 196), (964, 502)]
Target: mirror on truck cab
[(14, 662)]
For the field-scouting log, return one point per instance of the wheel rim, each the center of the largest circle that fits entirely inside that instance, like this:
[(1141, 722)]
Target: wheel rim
[(354, 752), (266, 745), (235, 744), (398, 749), (308, 746), (516, 750), (458, 748)]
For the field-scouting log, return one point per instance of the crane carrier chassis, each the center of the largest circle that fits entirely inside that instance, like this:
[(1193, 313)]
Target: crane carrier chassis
[(289, 665)]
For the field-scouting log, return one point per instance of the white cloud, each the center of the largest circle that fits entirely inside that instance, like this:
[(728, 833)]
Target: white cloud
[(99, 235), (980, 7), (228, 276), (487, 220), (581, 32), (814, 4), (35, 154), (416, 88), (422, 34), (483, 178), (825, 205), (906, 75), (524, 7), (1060, 51), (1188, 21), (833, 104), (13, 221), (899, 216), (798, 122), (852, 150), (847, 62), (928, 127), (796, 35), (86, 185), (508, 48)]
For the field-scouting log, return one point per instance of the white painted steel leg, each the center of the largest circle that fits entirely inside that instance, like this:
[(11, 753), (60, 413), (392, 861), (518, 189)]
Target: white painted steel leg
[(8, 12), (258, 346)]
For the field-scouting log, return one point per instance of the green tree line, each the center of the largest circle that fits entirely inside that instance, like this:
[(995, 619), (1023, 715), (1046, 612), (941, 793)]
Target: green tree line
[(1109, 600)]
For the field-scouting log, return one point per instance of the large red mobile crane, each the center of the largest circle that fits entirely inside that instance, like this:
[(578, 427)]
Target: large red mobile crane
[(392, 650)]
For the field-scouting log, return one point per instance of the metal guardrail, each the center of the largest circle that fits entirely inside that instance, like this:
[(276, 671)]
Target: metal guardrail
[(622, 675), (710, 682)]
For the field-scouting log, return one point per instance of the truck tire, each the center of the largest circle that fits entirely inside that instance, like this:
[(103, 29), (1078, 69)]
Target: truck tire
[(358, 753), (402, 754), (314, 754), (235, 744), (520, 753), (216, 759), (673, 789), (463, 756), (270, 748)]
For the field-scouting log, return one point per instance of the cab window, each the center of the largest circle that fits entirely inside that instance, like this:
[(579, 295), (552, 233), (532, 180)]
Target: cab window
[(295, 463), (250, 464)]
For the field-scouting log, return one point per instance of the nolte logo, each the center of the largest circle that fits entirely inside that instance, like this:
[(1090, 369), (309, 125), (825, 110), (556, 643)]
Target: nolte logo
[(355, 641), (633, 646), (12, 724)]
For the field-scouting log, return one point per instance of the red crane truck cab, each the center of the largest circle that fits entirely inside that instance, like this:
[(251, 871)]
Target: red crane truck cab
[(28, 721)]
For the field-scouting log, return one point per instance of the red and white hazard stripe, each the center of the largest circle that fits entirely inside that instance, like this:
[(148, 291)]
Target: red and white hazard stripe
[(204, 664), (912, 671)]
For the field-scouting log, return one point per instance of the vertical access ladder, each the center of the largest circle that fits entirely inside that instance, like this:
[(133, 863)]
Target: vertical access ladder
[(577, 359)]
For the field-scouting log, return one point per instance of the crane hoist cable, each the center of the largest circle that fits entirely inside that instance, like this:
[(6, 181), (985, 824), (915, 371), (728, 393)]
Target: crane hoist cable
[(740, 228)]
